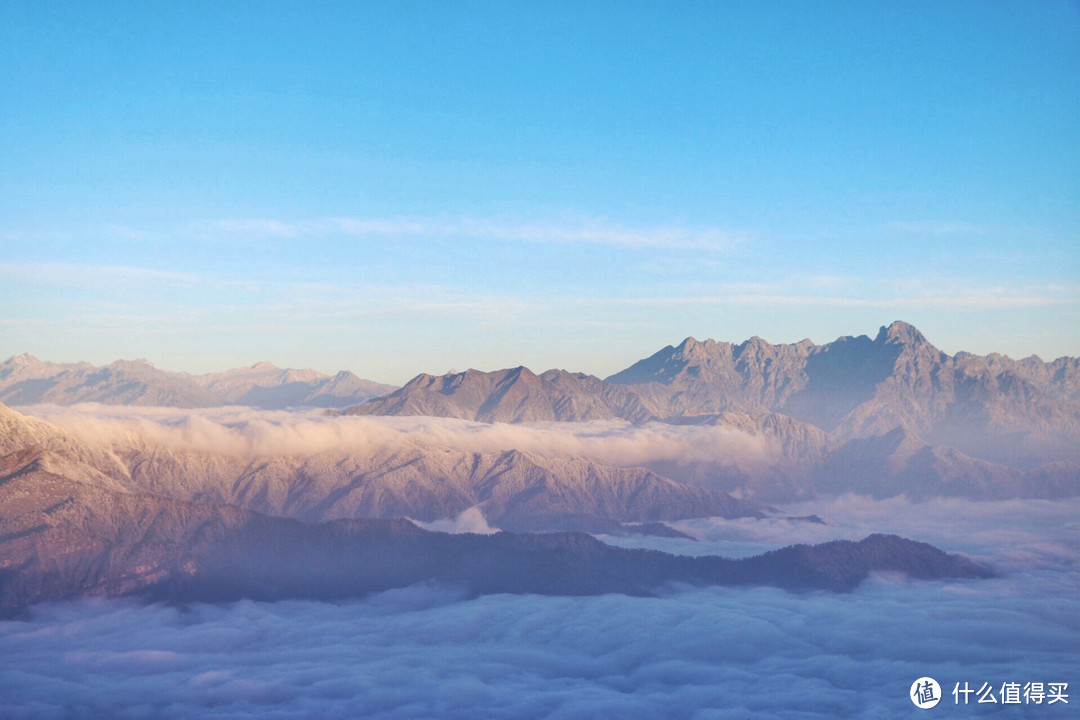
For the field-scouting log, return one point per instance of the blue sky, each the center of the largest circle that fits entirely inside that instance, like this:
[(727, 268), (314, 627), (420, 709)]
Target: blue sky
[(394, 188)]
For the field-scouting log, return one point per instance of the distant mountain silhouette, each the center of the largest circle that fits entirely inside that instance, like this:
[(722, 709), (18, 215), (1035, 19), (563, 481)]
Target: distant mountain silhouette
[(25, 380)]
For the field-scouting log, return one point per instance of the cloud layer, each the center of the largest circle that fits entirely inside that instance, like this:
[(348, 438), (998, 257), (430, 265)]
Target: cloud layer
[(693, 653), (582, 232), (242, 431)]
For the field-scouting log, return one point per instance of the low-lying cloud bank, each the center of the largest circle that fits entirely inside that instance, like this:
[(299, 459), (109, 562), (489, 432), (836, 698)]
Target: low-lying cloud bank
[(1012, 534), (422, 652), (245, 432), (426, 652), (693, 653)]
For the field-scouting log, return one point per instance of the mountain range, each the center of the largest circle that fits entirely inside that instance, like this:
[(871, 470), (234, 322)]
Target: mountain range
[(886, 415), (141, 512), (1017, 412), (514, 490), (26, 380), (62, 538), (883, 416)]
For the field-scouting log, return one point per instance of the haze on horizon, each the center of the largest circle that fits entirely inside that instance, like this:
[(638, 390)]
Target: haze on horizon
[(419, 187)]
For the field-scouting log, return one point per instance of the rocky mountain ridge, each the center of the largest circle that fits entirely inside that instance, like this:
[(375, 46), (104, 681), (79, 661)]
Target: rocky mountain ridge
[(1020, 414), (511, 395)]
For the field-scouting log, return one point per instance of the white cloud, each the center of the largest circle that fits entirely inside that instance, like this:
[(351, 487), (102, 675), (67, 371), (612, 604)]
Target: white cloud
[(426, 651), (589, 232), (945, 227), (470, 520), (244, 431), (88, 275), (1015, 535), (997, 298)]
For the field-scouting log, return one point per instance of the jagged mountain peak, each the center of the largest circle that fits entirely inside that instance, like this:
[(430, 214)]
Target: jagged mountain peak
[(509, 395), (693, 349), (754, 342), (902, 333), (23, 359)]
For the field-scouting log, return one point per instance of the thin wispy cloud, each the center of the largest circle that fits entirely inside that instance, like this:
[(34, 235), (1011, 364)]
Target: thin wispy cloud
[(833, 302), (255, 227), (980, 298), (90, 275), (591, 232), (943, 227)]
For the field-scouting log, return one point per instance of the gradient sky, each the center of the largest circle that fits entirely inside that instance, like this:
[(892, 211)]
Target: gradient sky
[(400, 187)]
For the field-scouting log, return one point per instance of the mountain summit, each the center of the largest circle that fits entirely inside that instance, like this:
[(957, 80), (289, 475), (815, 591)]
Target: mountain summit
[(900, 332)]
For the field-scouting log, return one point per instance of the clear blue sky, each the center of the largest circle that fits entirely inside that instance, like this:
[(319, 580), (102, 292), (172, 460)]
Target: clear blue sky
[(400, 187)]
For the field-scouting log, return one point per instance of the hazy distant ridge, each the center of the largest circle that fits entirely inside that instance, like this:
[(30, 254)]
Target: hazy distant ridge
[(26, 380)]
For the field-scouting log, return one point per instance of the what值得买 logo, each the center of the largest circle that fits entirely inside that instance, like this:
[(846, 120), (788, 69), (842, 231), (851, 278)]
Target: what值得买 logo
[(925, 693)]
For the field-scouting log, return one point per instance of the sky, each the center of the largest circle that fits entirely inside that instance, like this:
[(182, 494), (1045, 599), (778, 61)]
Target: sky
[(395, 188)]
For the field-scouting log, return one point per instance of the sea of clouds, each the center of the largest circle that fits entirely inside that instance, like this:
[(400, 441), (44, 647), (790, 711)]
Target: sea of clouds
[(427, 652), (246, 432)]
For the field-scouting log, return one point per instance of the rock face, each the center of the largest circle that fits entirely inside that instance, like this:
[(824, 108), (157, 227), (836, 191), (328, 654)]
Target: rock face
[(514, 395), (25, 380), (62, 538)]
